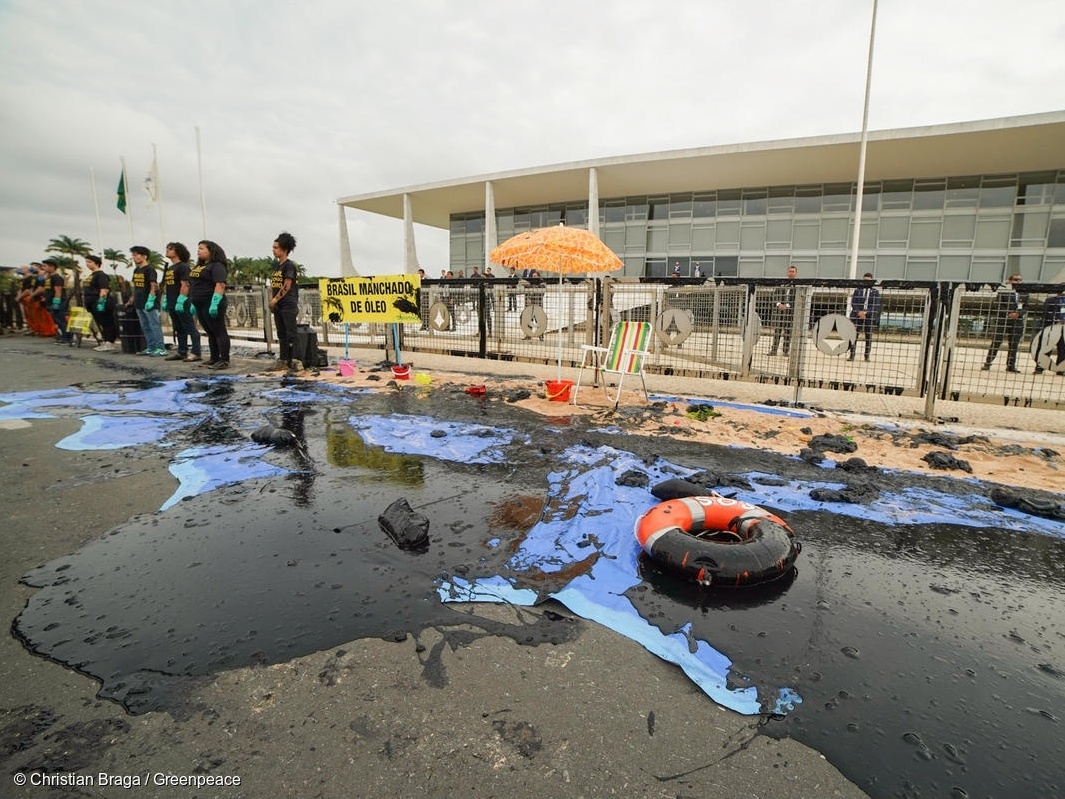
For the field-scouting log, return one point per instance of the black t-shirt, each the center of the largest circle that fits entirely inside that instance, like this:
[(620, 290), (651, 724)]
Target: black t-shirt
[(143, 277), (202, 278), (173, 277), (283, 271), (99, 280), (52, 282)]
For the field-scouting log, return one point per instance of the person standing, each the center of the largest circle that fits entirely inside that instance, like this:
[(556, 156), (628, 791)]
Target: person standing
[(284, 299), (423, 301), (97, 298), (55, 300), (25, 297), (40, 303), (144, 301), (512, 292), (176, 302), (783, 312), (1007, 321), (207, 292), (865, 314), (1054, 314)]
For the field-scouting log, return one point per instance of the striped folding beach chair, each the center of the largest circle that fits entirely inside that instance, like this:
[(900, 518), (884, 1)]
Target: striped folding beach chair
[(623, 355)]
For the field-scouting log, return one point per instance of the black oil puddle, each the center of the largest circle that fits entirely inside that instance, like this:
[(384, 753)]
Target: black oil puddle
[(930, 658), (272, 569)]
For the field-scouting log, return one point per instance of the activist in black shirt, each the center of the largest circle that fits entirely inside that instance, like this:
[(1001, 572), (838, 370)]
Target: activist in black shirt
[(207, 290), (284, 298)]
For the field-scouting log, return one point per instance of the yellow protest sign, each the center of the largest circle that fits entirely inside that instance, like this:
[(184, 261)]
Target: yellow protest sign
[(389, 298)]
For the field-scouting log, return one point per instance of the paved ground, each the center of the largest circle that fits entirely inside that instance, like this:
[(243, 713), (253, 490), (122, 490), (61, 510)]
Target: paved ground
[(453, 713)]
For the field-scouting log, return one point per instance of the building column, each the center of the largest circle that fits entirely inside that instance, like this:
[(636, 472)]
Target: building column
[(347, 267), (410, 257), (593, 200), (491, 236)]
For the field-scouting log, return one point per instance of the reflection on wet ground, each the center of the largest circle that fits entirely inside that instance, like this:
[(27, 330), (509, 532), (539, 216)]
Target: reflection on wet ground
[(930, 657)]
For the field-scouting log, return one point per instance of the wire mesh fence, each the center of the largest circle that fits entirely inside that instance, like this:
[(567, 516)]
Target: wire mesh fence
[(1003, 344)]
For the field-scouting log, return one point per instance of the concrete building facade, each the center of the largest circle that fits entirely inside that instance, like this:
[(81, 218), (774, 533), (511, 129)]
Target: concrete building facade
[(972, 201)]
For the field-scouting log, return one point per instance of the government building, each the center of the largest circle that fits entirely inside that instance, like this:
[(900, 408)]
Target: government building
[(972, 201)]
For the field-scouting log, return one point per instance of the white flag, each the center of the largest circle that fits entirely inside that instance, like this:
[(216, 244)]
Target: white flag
[(151, 183)]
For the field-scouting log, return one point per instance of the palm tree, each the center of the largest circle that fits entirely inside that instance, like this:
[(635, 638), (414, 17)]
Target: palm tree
[(72, 249), (115, 257)]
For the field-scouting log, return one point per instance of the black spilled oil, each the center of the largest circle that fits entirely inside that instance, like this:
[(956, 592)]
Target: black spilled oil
[(927, 656), (930, 658)]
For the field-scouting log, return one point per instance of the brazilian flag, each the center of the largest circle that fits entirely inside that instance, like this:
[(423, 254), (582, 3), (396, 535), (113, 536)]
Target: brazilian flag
[(121, 199)]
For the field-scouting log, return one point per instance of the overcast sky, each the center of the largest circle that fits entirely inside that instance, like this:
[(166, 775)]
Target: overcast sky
[(300, 103)]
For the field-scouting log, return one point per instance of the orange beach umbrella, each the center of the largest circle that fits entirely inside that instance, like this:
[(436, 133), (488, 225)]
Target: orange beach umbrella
[(561, 249)]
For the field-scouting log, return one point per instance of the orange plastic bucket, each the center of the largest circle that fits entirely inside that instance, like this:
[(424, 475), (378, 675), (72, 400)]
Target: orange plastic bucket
[(558, 390)]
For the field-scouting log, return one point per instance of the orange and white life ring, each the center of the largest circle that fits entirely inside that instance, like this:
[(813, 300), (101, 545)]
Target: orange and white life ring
[(716, 540)]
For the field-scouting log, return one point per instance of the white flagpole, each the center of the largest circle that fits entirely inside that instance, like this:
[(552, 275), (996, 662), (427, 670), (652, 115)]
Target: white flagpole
[(96, 204), (129, 199), (203, 199), (156, 192), (861, 152)]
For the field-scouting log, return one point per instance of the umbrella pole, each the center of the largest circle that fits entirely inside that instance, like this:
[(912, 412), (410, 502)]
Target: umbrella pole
[(559, 332), (395, 343), (345, 341)]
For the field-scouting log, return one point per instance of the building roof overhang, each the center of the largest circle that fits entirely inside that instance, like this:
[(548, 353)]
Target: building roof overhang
[(1028, 143)]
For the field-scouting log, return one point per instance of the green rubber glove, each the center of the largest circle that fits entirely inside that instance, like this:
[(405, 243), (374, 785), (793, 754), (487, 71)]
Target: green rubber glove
[(101, 304), (216, 300), (150, 302), (179, 304), (192, 309), (162, 304), (56, 302)]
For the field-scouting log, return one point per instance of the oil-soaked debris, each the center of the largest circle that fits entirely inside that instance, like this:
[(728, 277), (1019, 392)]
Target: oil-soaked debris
[(651, 723), (518, 394), (409, 530), (713, 479), (1031, 501), (274, 436), (856, 465), (701, 412), (857, 493), (812, 456), (677, 488), (830, 442), (946, 461), (634, 479), (438, 433), (945, 440)]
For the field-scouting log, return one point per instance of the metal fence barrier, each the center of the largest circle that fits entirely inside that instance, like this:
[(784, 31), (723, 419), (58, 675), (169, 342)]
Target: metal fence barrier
[(929, 339)]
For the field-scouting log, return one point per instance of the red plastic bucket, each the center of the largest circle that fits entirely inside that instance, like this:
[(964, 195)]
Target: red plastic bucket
[(401, 372), (558, 390)]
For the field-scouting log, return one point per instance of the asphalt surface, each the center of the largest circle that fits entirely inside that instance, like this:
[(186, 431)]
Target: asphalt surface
[(447, 712)]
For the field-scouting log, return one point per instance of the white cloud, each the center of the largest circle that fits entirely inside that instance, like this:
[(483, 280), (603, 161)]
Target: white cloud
[(302, 103)]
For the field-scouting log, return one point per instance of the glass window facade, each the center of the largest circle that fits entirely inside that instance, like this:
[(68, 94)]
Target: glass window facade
[(969, 227)]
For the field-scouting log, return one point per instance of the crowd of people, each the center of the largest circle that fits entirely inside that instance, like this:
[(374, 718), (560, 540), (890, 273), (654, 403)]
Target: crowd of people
[(192, 294)]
